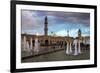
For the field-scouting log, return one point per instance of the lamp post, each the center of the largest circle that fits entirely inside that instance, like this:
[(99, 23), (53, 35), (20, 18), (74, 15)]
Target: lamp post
[(67, 48), (79, 39)]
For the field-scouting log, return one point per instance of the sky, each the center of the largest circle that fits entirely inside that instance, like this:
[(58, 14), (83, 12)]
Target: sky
[(32, 22)]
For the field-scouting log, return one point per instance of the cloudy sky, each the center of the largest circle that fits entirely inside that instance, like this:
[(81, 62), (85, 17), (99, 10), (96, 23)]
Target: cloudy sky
[(32, 22)]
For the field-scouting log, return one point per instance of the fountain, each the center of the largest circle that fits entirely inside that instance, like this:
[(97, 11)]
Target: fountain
[(31, 46), (68, 44), (79, 50), (24, 43), (76, 49), (27, 46), (36, 47), (70, 48), (67, 50)]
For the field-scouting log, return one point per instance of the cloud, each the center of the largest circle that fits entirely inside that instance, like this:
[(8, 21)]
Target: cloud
[(33, 21), (67, 17), (72, 33), (61, 33), (30, 23)]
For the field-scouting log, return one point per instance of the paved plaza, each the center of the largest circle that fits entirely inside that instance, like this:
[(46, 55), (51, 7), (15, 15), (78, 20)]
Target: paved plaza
[(58, 55)]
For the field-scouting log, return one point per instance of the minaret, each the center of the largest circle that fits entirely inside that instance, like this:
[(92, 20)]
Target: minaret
[(79, 33), (46, 26)]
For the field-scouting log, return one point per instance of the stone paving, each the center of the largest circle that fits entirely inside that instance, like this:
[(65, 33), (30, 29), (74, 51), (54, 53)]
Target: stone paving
[(31, 53), (57, 55)]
